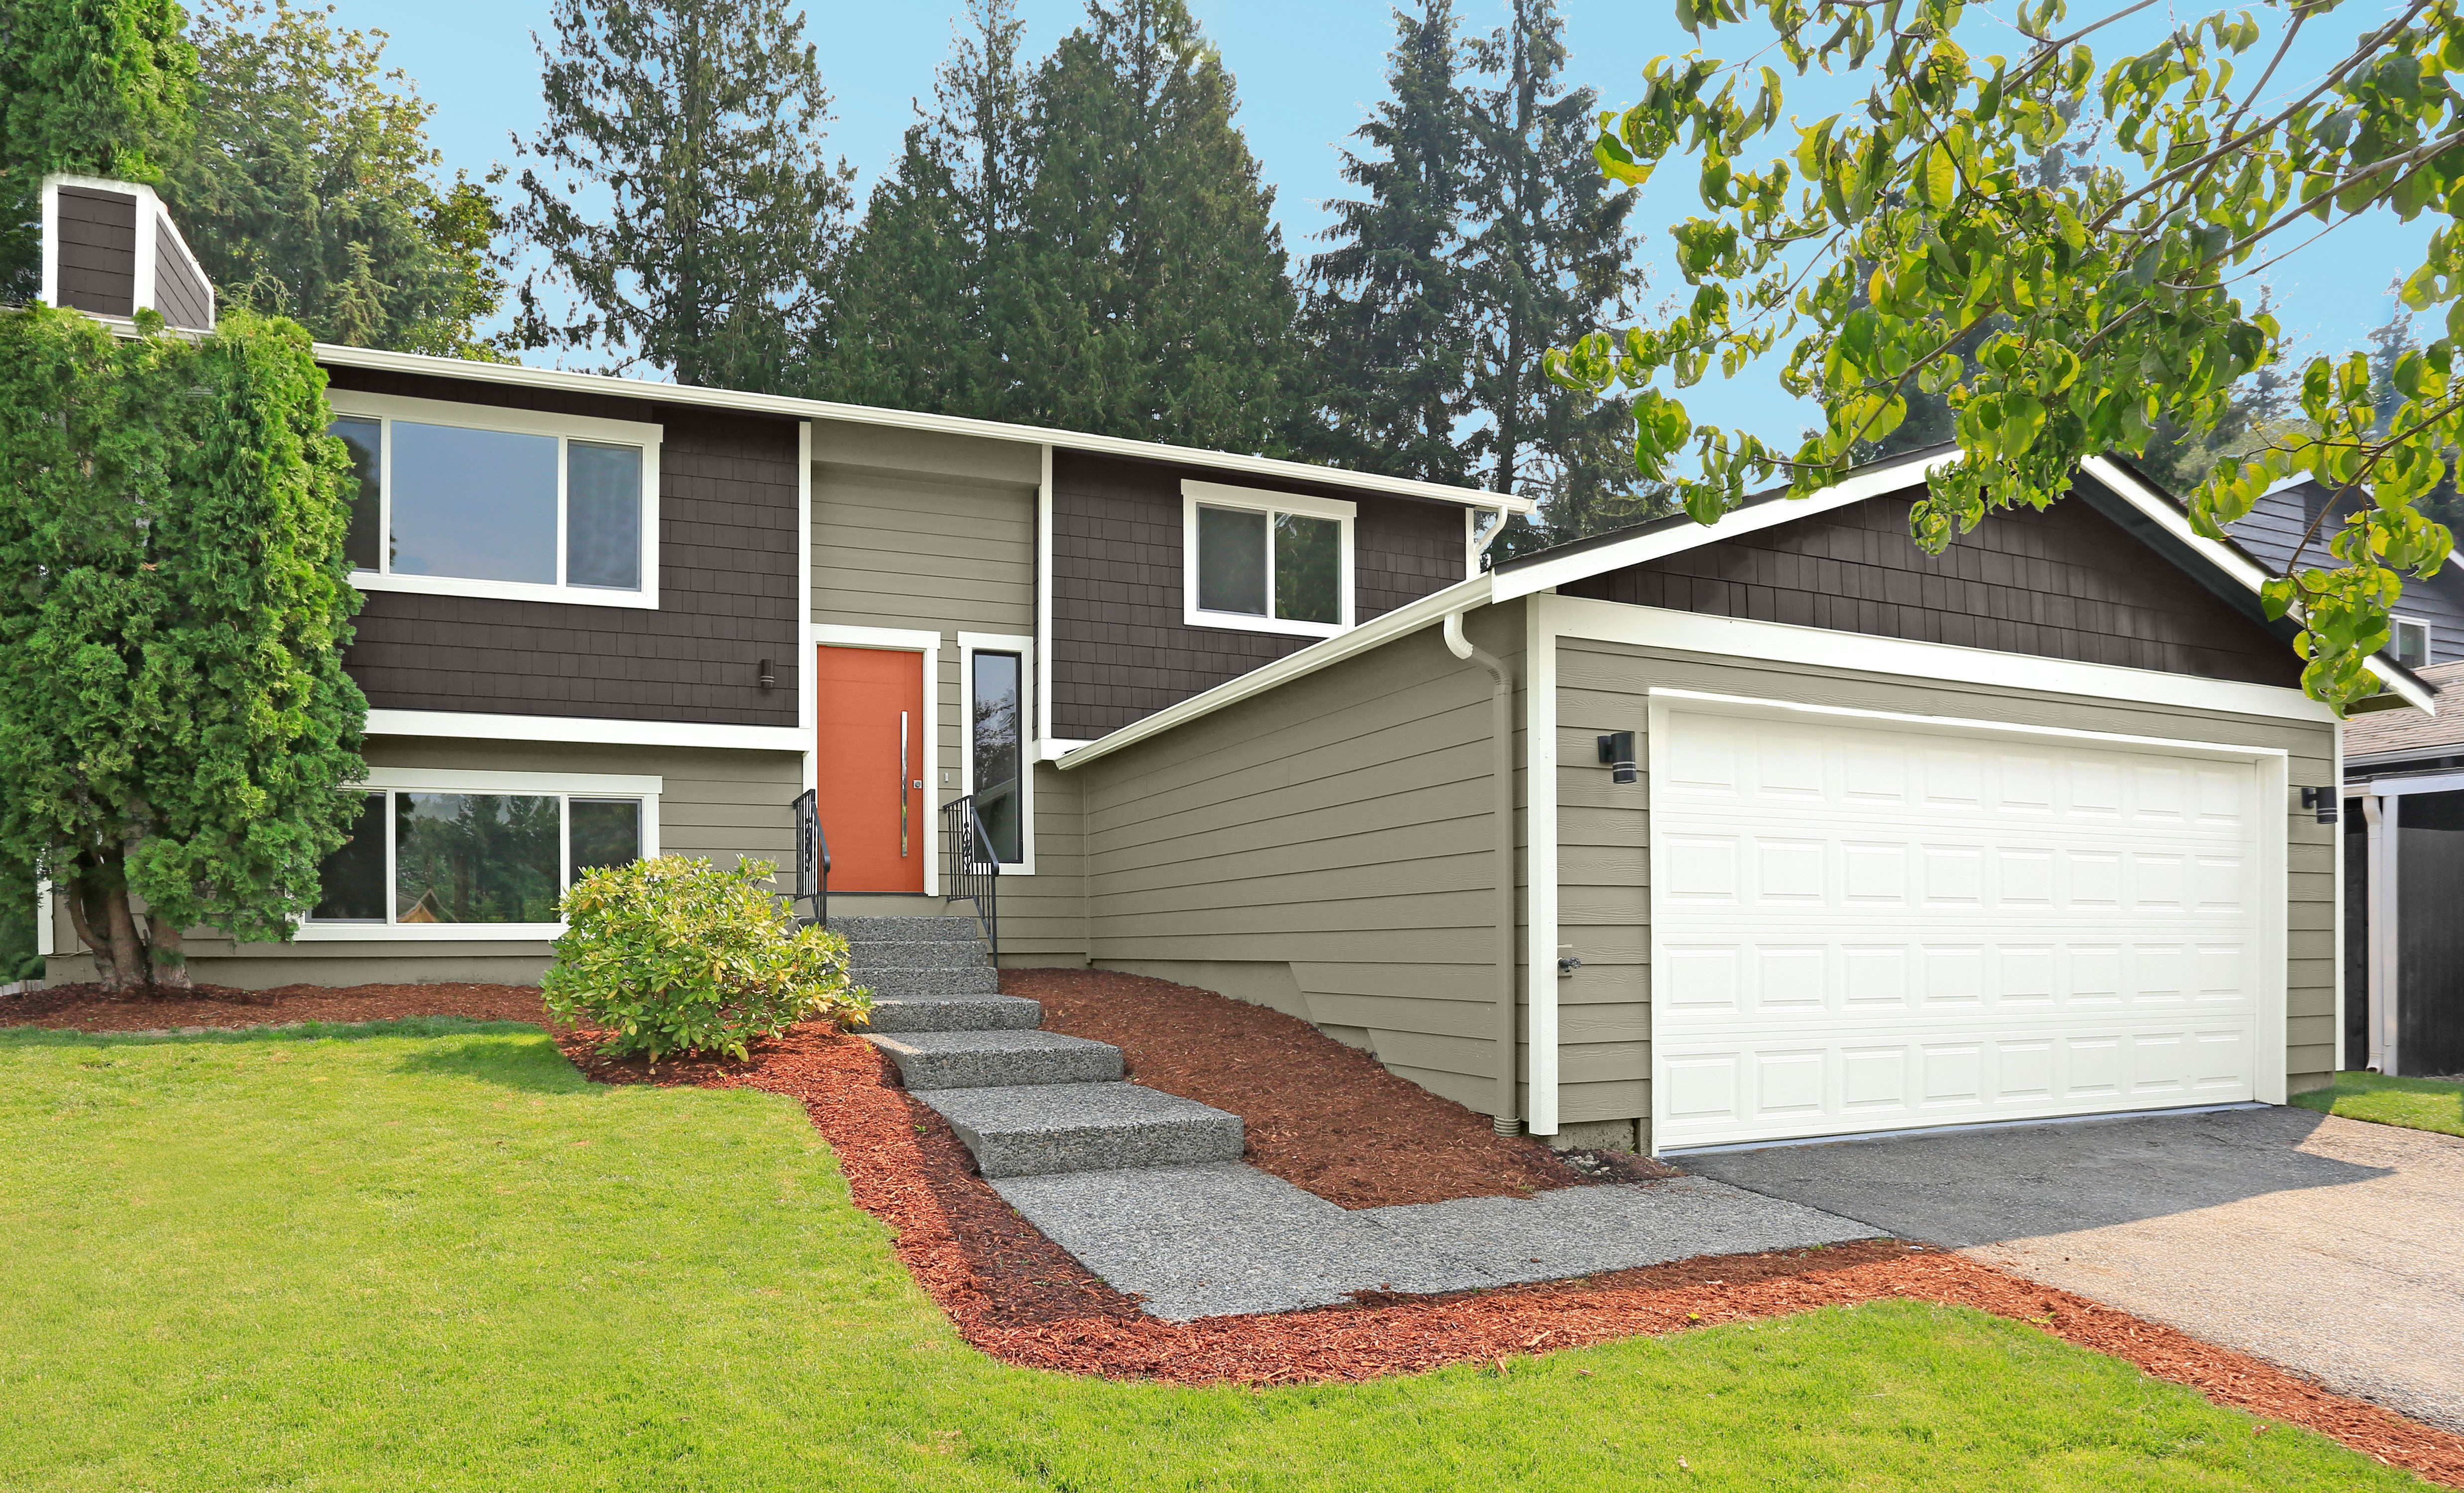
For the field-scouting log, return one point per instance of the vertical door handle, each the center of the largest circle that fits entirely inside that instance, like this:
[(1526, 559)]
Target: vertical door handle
[(902, 784)]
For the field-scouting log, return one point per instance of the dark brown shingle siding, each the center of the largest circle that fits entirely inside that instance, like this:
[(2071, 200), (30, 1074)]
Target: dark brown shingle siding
[(2063, 583), (1120, 650), (98, 251), (727, 590)]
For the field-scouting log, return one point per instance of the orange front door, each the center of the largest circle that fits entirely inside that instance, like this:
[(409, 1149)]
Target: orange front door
[(869, 776)]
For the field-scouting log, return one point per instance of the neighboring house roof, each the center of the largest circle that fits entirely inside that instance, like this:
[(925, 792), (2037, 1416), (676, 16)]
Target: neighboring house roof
[(2276, 528), (2390, 735), (1268, 466)]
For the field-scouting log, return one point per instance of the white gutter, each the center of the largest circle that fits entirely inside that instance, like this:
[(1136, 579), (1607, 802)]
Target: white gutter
[(1501, 775), (525, 377), (1429, 610)]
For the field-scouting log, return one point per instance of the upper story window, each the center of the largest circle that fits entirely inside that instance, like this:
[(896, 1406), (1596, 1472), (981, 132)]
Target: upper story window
[(471, 500), (2411, 642), (1266, 561)]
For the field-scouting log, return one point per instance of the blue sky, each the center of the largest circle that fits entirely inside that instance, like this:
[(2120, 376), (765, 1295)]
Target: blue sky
[(1307, 72)]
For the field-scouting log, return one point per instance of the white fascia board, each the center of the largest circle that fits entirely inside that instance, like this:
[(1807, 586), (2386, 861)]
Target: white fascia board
[(1051, 750), (1694, 632), (1550, 574), (2424, 782), (1266, 467), (580, 730), (1425, 612), (2169, 516)]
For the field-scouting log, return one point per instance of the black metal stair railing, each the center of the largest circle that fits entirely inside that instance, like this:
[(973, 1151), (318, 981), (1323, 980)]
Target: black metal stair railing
[(812, 858), (970, 869)]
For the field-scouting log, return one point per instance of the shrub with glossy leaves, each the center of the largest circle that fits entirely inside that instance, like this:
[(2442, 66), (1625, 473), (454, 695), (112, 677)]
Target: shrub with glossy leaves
[(673, 955)]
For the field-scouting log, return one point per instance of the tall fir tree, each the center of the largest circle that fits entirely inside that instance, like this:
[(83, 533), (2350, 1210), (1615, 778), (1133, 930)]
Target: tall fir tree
[(98, 87), (915, 321), (309, 189), (698, 124), (1387, 314), (1551, 254), (1150, 296)]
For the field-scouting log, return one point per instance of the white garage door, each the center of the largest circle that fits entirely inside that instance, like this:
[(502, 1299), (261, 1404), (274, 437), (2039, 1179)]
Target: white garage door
[(1866, 925)]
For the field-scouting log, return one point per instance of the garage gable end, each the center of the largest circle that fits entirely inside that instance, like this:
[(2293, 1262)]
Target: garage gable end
[(2070, 582)]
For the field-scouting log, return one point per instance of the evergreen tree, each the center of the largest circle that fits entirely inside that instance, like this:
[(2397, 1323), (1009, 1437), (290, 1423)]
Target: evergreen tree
[(98, 87), (1149, 297), (699, 123), (1387, 314), (307, 190), (1551, 254), (916, 320)]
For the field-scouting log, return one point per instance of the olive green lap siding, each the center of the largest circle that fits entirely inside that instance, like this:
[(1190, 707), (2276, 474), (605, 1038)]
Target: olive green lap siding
[(1324, 847), (721, 805), (1605, 900), (936, 533)]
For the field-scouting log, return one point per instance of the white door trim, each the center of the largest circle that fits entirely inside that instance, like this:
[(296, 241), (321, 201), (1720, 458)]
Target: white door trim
[(905, 639)]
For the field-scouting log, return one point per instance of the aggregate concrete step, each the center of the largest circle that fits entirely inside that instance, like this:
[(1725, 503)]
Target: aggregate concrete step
[(955, 1014), (998, 1059), (1043, 1128), (896, 984), (953, 928), (953, 954)]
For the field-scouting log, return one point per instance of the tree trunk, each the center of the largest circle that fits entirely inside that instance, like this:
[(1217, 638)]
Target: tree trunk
[(169, 967), (99, 910)]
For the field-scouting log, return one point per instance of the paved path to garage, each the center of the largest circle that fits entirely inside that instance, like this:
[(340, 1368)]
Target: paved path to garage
[(2332, 1246), (1203, 1240)]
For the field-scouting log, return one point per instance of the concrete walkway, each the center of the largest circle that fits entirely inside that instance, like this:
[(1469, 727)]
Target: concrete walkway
[(1206, 1240), (2331, 1246)]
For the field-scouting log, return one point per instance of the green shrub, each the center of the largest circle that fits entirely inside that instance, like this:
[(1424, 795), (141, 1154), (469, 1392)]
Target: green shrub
[(674, 954)]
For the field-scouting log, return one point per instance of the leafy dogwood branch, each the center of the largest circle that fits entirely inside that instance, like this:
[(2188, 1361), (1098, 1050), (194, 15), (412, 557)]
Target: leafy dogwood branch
[(2095, 304)]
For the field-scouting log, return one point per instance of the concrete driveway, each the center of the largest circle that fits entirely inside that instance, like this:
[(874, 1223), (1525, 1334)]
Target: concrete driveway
[(2334, 1248)]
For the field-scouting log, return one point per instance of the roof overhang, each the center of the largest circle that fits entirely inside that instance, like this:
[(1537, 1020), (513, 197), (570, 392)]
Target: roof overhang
[(1268, 468)]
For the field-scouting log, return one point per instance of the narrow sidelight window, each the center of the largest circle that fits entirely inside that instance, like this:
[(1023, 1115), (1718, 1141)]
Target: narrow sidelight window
[(999, 723)]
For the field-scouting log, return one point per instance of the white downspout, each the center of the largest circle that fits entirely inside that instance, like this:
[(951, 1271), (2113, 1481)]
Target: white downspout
[(1501, 693)]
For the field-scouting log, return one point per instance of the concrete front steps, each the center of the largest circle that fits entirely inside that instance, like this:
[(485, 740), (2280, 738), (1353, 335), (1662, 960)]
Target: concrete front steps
[(1024, 1101)]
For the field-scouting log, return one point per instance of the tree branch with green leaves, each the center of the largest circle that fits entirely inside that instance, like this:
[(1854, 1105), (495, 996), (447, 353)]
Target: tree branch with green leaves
[(2096, 306)]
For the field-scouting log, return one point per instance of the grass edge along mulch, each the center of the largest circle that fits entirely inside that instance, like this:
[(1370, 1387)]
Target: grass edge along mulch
[(1017, 1297)]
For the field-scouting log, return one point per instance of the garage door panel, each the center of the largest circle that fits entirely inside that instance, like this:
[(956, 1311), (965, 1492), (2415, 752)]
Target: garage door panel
[(1868, 926)]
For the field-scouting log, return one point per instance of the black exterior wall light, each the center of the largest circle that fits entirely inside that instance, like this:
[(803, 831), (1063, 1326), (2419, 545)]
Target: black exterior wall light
[(1616, 754)]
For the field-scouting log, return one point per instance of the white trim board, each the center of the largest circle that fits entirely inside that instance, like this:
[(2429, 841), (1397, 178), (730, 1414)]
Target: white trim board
[(580, 730), (807, 698), (457, 779), (1540, 869), (1693, 632), (1263, 467)]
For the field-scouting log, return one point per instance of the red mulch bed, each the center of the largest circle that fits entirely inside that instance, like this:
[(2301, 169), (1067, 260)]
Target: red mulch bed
[(1321, 1115), (89, 1008), (1017, 1296)]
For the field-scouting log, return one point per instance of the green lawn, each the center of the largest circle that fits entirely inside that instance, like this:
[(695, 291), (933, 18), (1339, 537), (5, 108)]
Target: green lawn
[(428, 1255), (2421, 1104)]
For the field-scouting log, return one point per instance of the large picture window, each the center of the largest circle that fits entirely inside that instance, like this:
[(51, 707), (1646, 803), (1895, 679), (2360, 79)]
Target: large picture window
[(470, 501), (1260, 561), (481, 854)]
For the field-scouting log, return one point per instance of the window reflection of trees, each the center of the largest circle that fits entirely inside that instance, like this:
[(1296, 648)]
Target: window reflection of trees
[(475, 858), (999, 737)]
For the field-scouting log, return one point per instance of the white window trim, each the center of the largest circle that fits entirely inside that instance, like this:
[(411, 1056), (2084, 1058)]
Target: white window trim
[(390, 408), (2397, 622), (970, 644), (564, 786), (906, 639), (1216, 494)]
